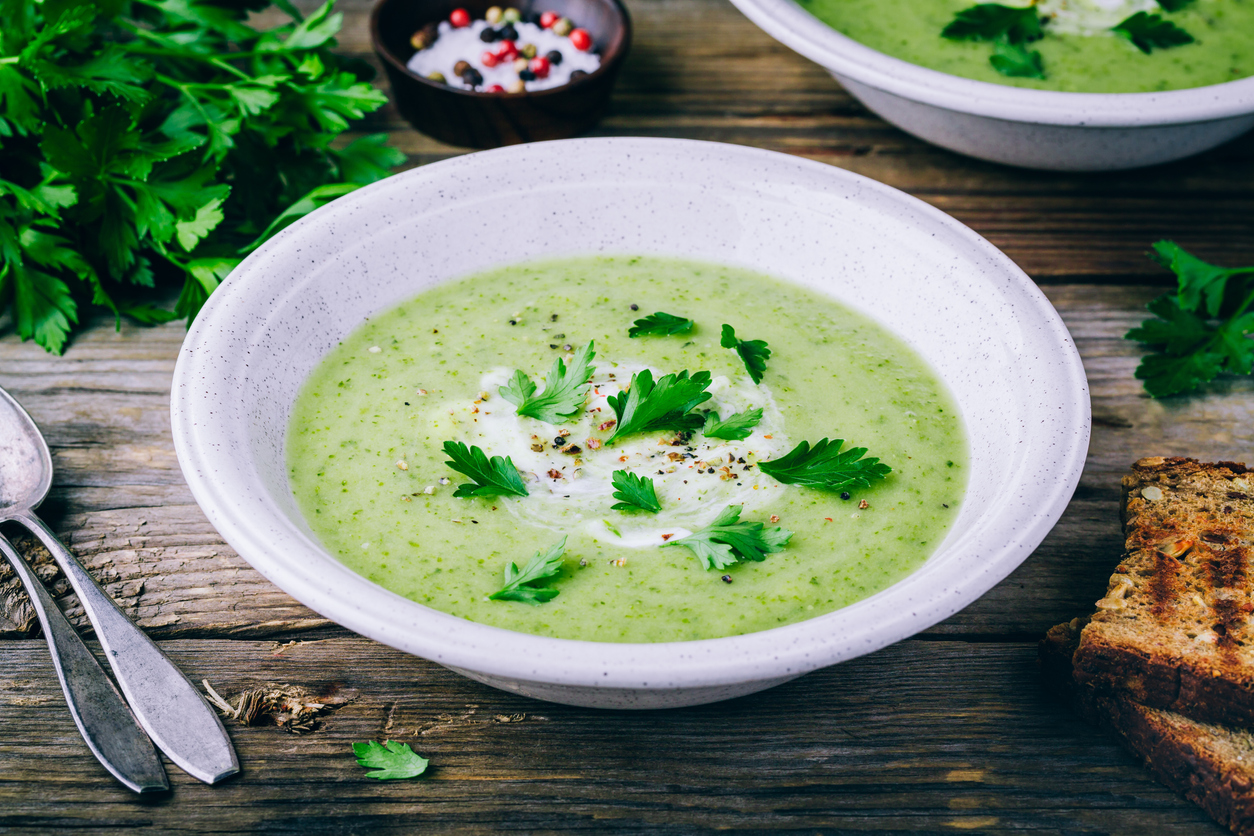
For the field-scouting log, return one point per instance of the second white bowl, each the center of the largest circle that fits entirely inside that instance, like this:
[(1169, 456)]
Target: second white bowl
[(1013, 125)]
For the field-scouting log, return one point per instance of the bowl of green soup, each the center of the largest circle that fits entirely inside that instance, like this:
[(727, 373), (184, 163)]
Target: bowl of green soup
[(713, 417), (1071, 85)]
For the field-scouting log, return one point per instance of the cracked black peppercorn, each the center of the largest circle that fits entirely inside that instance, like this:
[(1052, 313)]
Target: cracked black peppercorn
[(844, 494), (488, 35), (526, 75), (555, 57), (508, 33), (727, 579)]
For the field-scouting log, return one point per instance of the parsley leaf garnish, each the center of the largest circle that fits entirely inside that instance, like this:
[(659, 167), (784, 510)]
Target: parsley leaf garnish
[(727, 540), (667, 405), (993, 21), (660, 324), (1201, 329), (1017, 61), (736, 428), (825, 466), (1009, 28), (565, 389), (545, 564), (494, 477), (1173, 5), (390, 760), (635, 493), (754, 353), (1148, 32)]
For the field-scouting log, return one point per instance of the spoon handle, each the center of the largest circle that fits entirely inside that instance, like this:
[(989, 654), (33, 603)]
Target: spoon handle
[(166, 703), (98, 710)]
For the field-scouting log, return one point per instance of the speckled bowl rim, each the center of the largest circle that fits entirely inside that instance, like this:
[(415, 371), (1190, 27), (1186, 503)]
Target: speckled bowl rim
[(1043, 482), (839, 54)]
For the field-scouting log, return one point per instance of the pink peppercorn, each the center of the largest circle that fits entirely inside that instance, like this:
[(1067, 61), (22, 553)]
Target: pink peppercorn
[(507, 51), (459, 18), (580, 39), (540, 66), (489, 59), (496, 88), (548, 19)]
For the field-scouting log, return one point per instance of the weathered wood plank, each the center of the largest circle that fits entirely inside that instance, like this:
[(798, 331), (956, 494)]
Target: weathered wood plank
[(921, 737), (120, 498)]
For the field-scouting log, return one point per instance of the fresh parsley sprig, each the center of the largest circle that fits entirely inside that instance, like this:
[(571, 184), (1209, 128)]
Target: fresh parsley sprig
[(391, 760), (565, 389), (660, 324), (1173, 5), (754, 353), (1201, 330), (1148, 32), (492, 477), (545, 564), (635, 493), (728, 540), (1010, 29), (993, 22), (737, 427), (667, 404), (825, 466), (154, 144)]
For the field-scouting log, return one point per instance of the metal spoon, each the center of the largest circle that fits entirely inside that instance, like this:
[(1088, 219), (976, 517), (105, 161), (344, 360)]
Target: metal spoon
[(98, 709), (166, 703)]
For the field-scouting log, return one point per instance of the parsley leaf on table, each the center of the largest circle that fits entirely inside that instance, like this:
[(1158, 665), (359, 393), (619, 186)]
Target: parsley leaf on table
[(660, 324), (1009, 28), (635, 493), (754, 353), (565, 389), (545, 564), (727, 540), (159, 142), (825, 466), (1148, 32), (667, 405), (492, 477), (737, 427), (1201, 330), (390, 760)]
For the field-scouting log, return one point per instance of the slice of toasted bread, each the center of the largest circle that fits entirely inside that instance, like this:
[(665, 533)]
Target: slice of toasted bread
[(1209, 764), (1174, 629)]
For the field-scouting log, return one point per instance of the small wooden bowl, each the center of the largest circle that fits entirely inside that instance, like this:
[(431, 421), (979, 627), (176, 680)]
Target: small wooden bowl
[(489, 120)]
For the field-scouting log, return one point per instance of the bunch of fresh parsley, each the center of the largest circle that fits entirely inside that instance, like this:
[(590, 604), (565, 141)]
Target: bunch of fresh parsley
[(1202, 329), (154, 143), (1012, 28)]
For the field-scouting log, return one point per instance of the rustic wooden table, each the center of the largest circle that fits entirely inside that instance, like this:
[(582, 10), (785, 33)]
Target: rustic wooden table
[(947, 731)]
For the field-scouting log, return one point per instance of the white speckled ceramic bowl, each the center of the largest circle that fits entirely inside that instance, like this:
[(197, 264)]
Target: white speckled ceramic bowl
[(1013, 125), (983, 325)]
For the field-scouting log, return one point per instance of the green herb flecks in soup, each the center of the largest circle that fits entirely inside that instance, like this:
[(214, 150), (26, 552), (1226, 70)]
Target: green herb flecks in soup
[(578, 448)]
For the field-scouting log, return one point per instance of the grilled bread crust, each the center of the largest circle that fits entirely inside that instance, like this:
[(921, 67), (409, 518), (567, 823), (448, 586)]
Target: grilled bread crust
[(1174, 629), (1209, 764)]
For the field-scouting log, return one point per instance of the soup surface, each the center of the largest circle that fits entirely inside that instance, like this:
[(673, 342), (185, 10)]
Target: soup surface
[(1079, 51), (368, 468)]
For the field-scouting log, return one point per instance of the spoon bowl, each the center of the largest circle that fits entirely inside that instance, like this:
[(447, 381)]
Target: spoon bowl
[(25, 462)]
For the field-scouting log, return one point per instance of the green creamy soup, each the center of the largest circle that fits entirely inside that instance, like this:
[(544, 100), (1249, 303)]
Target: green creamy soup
[(368, 468), (1079, 52)]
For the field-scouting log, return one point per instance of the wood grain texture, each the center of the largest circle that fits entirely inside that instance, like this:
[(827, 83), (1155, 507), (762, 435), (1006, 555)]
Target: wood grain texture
[(924, 737)]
